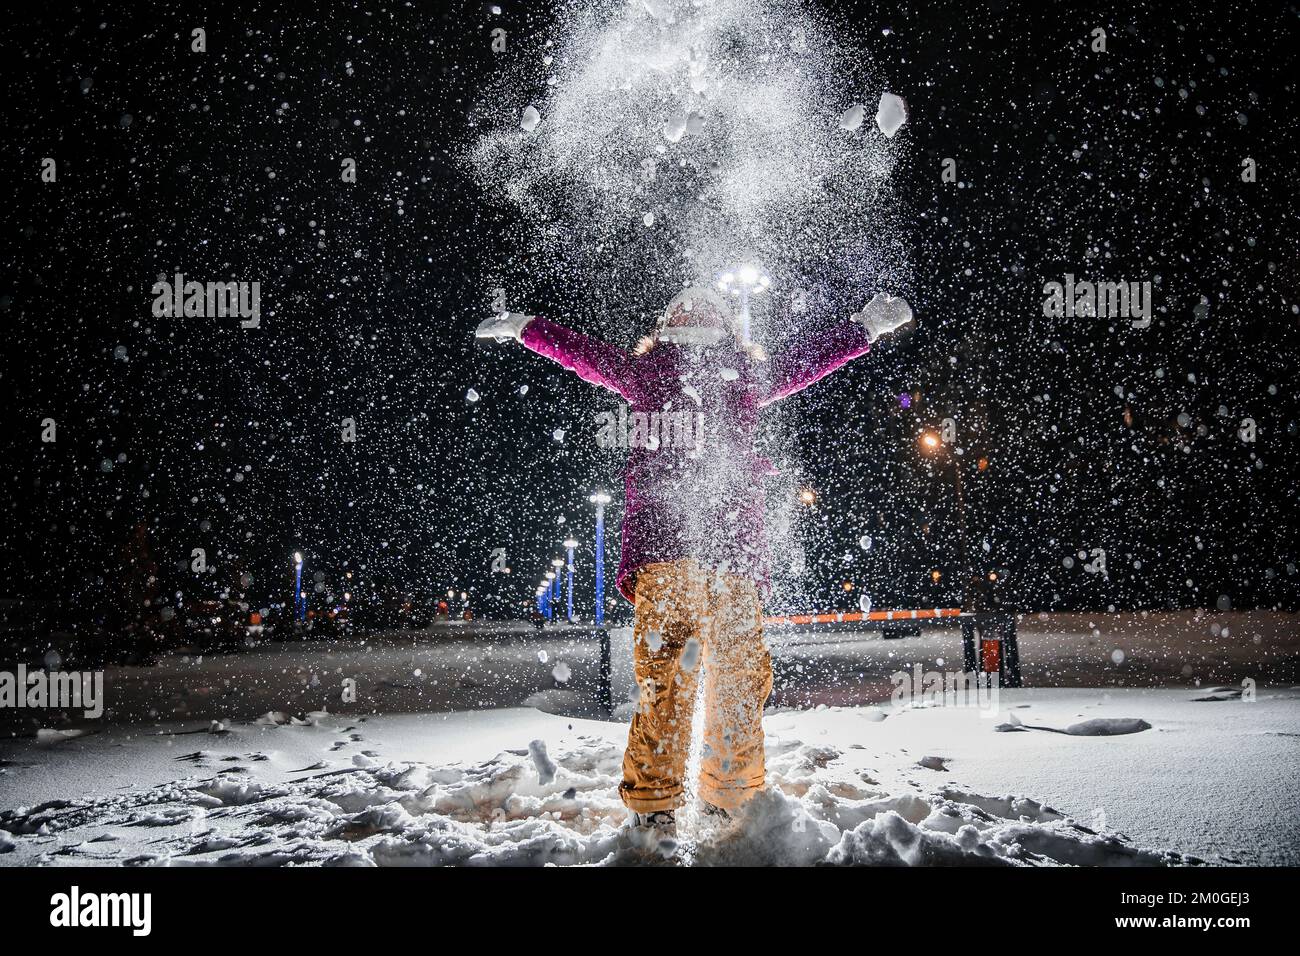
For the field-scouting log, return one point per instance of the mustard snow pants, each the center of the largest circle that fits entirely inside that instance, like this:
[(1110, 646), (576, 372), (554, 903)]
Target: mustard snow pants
[(687, 617)]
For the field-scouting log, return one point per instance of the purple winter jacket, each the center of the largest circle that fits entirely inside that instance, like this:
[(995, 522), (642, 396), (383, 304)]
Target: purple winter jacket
[(686, 498)]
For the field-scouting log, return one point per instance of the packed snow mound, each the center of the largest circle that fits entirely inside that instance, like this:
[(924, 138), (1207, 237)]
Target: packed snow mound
[(1094, 727), (528, 807), (1108, 727)]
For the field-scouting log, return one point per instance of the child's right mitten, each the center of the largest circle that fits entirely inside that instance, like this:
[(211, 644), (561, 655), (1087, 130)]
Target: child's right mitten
[(883, 314)]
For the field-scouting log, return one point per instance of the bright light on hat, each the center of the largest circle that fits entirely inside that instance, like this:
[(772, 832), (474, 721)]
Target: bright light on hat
[(744, 279)]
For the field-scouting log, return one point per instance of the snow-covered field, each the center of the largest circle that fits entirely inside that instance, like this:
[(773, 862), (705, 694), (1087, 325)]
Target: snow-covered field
[(1200, 776)]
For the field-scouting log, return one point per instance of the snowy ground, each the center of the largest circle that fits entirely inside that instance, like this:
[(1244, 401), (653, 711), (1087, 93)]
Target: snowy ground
[(1212, 778), (430, 763)]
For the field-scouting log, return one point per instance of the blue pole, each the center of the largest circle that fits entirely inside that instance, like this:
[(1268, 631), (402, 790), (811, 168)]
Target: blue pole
[(570, 585), (600, 564), (546, 598), (299, 605)]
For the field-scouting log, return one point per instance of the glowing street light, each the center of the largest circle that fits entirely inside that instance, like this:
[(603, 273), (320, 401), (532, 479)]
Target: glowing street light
[(570, 544), (744, 281), (556, 563), (808, 497), (600, 499), (547, 592), (299, 596)]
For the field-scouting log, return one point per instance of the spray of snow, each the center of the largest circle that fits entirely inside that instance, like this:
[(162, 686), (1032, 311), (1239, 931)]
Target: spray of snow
[(669, 141)]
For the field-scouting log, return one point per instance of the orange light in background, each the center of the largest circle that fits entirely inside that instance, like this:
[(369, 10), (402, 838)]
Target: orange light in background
[(993, 575), (848, 585), (984, 463), (935, 575), (808, 496), (930, 440)]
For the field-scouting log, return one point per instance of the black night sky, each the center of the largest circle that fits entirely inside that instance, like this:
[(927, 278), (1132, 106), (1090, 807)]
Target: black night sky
[(1121, 165)]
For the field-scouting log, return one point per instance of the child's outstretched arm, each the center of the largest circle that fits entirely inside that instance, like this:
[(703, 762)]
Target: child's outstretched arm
[(811, 360), (593, 360)]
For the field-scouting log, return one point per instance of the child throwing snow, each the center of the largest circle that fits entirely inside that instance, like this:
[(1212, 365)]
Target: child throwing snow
[(694, 556)]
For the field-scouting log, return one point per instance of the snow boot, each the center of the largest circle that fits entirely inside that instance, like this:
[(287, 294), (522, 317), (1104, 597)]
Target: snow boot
[(713, 819), (655, 831), (715, 813)]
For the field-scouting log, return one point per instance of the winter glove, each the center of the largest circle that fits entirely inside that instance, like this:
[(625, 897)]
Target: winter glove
[(506, 325), (882, 315)]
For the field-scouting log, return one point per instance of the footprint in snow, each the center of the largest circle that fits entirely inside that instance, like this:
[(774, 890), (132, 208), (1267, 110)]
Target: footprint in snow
[(933, 763)]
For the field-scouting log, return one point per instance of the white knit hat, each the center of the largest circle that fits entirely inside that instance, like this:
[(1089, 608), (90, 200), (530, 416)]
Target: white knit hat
[(701, 298)]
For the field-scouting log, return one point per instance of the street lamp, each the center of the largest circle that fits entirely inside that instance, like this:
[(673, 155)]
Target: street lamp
[(299, 600), (556, 563), (931, 442), (743, 282), (570, 544), (600, 499)]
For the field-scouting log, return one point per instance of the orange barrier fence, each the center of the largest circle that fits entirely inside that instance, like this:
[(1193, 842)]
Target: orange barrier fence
[(842, 617)]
